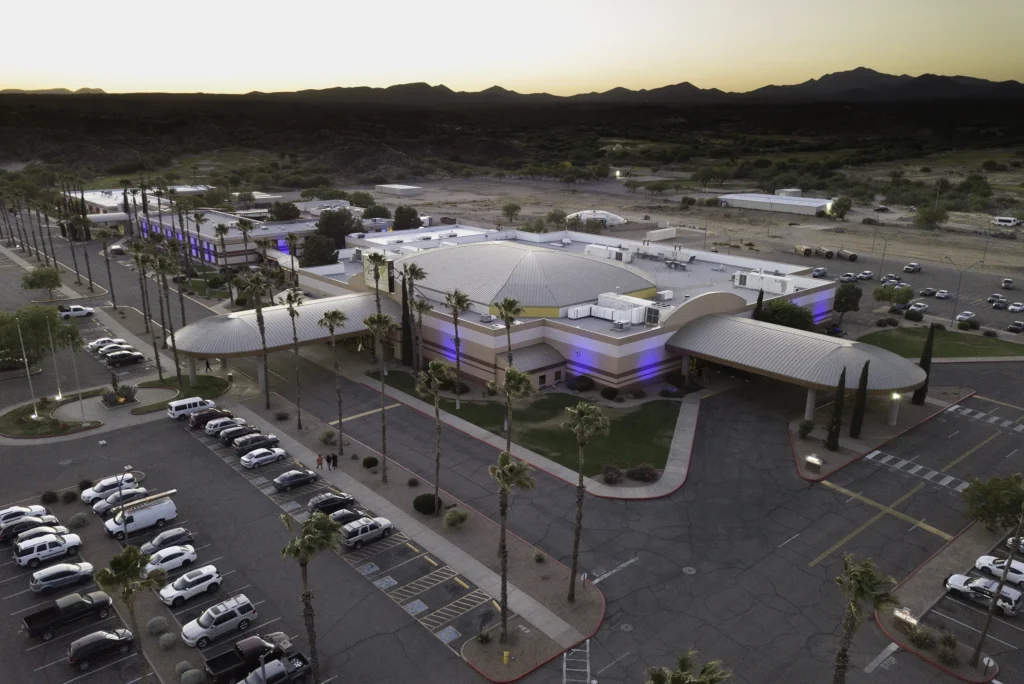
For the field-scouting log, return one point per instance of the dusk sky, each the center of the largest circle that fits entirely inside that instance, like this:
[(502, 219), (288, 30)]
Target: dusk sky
[(557, 46)]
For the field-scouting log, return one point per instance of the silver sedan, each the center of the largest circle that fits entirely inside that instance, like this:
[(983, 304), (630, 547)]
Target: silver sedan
[(258, 457)]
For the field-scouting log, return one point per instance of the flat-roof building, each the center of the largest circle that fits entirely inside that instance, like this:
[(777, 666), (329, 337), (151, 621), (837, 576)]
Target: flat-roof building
[(786, 204), (397, 189)]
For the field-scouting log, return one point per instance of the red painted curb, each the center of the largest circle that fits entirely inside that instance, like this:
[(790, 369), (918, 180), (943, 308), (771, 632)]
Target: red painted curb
[(796, 457)]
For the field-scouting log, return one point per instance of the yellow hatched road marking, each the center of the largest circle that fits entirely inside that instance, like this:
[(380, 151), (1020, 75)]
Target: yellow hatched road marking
[(887, 509), (969, 452), (860, 529), (1001, 403)]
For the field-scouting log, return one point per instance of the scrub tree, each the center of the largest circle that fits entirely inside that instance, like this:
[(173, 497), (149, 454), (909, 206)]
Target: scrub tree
[(42, 278), (847, 299), (835, 423), (511, 211), (861, 584)]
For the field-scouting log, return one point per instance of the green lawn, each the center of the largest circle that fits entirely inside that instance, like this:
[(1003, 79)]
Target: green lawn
[(18, 421), (909, 342), (641, 434), (200, 288), (207, 387)]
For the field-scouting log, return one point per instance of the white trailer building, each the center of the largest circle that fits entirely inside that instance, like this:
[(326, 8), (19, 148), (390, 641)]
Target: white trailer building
[(808, 206), (401, 190)]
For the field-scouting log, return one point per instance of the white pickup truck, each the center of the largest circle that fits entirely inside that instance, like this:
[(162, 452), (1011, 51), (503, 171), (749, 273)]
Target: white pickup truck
[(74, 311)]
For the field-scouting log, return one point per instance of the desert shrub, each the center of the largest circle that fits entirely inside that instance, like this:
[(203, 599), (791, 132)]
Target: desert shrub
[(868, 221), (216, 281), (820, 213), (644, 472), (609, 393), (539, 557), (157, 625), (892, 321), (241, 301), (619, 399), (990, 333), (948, 656), (938, 326), (193, 677), (49, 497), (914, 316), (427, 504), (84, 484), (370, 462), (78, 521), (962, 325), (328, 437), (584, 383), (926, 169), (948, 640), (612, 474), (973, 324), (69, 497), (881, 323), (483, 637), (449, 386), (127, 392), (639, 394), (281, 415), (455, 518), (711, 202), (921, 637), (168, 641), (806, 426), (413, 482), (571, 384), (183, 667), (671, 393), (491, 389)]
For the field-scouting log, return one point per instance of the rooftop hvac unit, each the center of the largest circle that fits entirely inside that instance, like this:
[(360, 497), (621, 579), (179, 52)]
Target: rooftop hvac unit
[(663, 295), (453, 234), (357, 255), (653, 316), (486, 318), (620, 325), (636, 316), (577, 312)]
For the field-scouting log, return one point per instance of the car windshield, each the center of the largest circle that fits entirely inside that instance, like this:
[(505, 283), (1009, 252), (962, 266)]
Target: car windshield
[(180, 583), (119, 518), (205, 620)]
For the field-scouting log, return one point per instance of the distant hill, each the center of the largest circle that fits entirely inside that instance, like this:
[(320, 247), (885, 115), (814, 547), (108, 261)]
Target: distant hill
[(53, 91)]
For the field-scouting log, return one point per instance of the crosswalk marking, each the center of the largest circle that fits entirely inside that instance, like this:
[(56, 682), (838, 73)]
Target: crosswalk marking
[(917, 470), (576, 664), (457, 608), (407, 591)]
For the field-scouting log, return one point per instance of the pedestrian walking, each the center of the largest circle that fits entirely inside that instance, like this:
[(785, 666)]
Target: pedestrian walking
[(330, 461), (334, 461), (207, 365), (319, 461)]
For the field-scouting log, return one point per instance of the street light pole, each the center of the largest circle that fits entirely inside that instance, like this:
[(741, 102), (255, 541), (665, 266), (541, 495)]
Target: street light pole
[(78, 385), (959, 282), (124, 518), (28, 371), (881, 266), (53, 352)]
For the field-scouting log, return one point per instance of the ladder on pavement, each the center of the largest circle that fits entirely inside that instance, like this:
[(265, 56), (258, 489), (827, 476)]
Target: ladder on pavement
[(576, 664)]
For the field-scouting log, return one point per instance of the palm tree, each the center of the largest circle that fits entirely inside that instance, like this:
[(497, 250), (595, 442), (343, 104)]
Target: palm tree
[(86, 226), (429, 381), (508, 475), (333, 320), (378, 261), (42, 238), (508, 309), (124, 578), (412, 274), (183, 281), (585, 422), (263, 244), (712, 672), (222, 230), (153, 264), (133, 215), (244, 227), (379, 326), (200, 218), (32, 229), (104, 235), (293, 246), (421, 307), (168, 265), (49, 236), (294, 300), (318, 533), (253, 286), (861, 583), (126, 187), (515, 385), (140, 268), (458, 302)]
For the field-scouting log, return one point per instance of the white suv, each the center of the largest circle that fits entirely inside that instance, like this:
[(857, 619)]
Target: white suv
[(994, 566), (35, 551), (106, 487), (191, 584), (365, 530), (237, 613)]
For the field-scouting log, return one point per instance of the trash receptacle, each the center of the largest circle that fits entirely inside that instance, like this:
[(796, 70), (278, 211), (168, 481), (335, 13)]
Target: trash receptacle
[(231, 377)]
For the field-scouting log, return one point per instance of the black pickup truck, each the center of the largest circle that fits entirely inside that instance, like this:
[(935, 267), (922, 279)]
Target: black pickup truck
[(235, 664), (290, 669), (64, 611)]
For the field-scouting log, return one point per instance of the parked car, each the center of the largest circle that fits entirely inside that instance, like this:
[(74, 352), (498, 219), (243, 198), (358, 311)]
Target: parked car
[(965, 316), (901, 286), (152, 511), (995, 566), (125, 358), (74, 311), (983, 590), (235, 614), (919, 307), (204, 580), (891, 276), (292, 668), (180, 409), (899, 308), (1019, 543), (992, 298), (11, 530), (1016, 327), (258, 457), (848, 278), (866, 275), (328, 502), (171, 558), (231, 434), (1007, 284), (65, 610), (202, 418), (8, 514), (294, 478), (103, 342), (943, 294), (1000, 305), (107, 486), (99, 645), (245, 444), (1017, 307), (116, 250), (246, 655), (218, 425), (927, 292), (59, 575), (33, 552), (176, 536), (104, 507), (912, 267), (819, 272), (346, 515), (365, 530), (37, 532), (111, 348)]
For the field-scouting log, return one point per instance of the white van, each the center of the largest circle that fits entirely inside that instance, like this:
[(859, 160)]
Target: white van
[(182, 408), (1005, 221), (152, 511)]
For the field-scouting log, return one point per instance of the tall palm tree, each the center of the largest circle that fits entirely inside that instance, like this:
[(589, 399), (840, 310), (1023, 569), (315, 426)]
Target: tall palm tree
[(429, 381), (126, 187), (42, 238), (508, 309), (293, 246), (711, 672), (104, 235), (585, 422), (152, 264), (133, 216), (318, 533), (412, 274), (168, 265), (86, 227), (861, 583), (334, 320), (508, 475), (49, 235), (138, 256), (380, 325), (253, 286), (515, 385), (264, 244), (124, 578), (244, 227), (68, 220), (458, 302), (199, 218), (159, 194), (31, 229), (378, 261), (184, 282), (421, 307), (293, 300), (222, 230)]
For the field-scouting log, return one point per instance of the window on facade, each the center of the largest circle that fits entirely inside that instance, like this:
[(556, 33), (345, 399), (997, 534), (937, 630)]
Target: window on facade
[(558, 376), (542, 380)]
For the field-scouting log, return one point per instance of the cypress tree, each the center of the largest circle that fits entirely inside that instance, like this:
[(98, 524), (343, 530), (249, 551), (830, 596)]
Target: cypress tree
[(926, 365), (859, 402), (406, 326), (836, 422), (759, 307)]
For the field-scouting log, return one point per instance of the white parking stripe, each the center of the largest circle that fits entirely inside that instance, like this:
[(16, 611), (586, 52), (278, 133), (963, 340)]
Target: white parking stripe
[(65, 636), (75, 679), (43, 667), (216, 600), (973, 629), (251, 629), (984, 612), (18, 594)]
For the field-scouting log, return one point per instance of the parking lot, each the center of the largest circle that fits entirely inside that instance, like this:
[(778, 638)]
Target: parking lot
[(92, 329)]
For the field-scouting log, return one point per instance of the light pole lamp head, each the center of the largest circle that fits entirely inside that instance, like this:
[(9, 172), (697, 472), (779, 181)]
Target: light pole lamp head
[(895, 396)]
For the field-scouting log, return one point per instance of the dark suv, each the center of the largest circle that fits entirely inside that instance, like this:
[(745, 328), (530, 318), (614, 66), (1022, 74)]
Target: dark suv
[(99, 645), (329, 502), (231, 434), (247, 443), (199, 419)]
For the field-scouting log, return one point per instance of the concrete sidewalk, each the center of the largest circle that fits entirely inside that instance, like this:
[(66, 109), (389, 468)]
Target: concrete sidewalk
[(520, 602), (676, 467)]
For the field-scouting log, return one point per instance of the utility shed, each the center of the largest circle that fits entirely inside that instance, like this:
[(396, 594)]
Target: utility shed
[(402, 190), (808, 206)]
